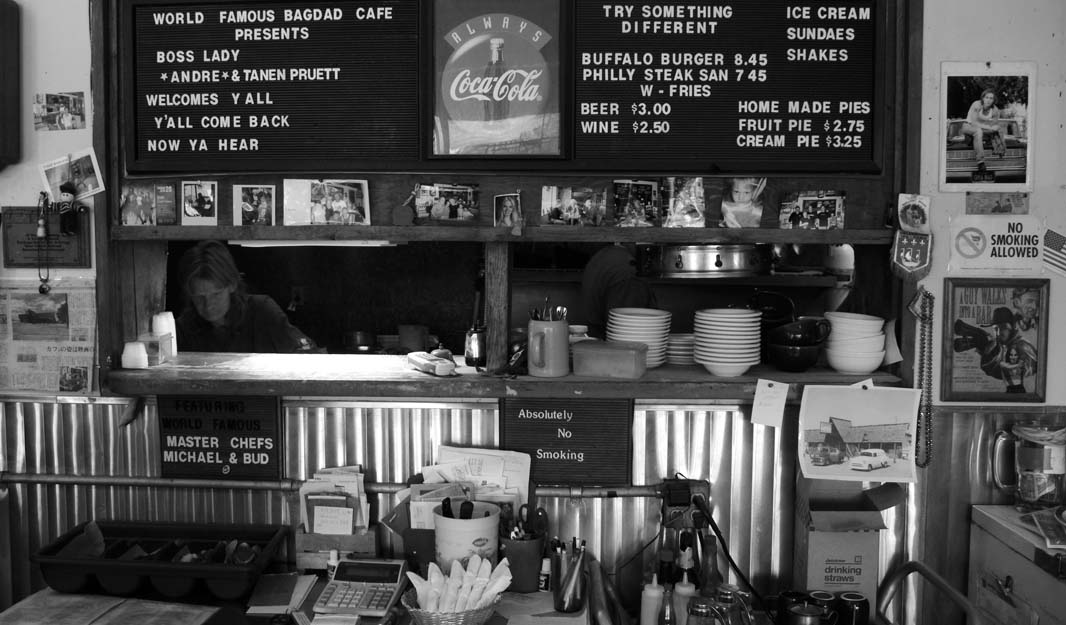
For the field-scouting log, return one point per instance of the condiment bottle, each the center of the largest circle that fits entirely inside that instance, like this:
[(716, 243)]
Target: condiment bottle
[(666, 612), (683, 591), (651, 600)]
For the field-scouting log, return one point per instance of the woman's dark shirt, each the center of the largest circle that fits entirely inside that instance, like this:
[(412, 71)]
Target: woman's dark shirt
[(254, 323)]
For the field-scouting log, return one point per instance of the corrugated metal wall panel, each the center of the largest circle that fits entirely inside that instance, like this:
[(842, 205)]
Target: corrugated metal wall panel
[(751, 470)]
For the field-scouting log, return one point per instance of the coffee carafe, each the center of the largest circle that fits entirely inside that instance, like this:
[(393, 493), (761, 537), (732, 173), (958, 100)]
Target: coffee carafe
[(1039, 449)]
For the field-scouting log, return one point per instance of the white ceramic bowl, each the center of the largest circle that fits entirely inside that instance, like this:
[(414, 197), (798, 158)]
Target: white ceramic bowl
[(864, 344), (723, 370), (855, 321), (857, 364)]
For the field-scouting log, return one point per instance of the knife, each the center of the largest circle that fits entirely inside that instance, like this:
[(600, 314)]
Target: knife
[(466, 510)]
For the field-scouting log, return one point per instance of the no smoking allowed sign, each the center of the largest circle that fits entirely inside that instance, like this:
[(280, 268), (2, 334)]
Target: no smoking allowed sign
[(996, 243)]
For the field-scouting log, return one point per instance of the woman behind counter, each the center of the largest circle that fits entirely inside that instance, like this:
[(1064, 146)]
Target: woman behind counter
[(219, 316)]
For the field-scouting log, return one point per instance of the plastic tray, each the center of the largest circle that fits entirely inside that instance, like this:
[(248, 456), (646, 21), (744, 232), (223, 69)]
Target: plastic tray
[(225, 580)]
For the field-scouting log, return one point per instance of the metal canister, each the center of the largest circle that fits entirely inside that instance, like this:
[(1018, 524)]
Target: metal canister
[(699, 611)]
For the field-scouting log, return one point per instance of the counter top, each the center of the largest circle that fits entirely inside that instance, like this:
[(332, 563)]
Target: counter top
[(335, 375)]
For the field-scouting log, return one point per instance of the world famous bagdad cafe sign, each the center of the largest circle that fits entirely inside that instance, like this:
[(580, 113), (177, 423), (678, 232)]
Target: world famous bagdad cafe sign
[(497, 85)]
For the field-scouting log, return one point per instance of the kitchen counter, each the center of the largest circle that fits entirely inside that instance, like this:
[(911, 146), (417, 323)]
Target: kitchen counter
[(334, 375)]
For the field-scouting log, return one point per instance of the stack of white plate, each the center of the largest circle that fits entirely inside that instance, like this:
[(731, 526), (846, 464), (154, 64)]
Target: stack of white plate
[(680, 349), (856, 342), (727, 340), (641, 325)]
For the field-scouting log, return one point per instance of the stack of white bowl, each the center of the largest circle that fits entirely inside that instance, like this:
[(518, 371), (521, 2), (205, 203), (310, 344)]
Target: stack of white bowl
[(856, 343), (727, 340), (641, 325), (680, 349)]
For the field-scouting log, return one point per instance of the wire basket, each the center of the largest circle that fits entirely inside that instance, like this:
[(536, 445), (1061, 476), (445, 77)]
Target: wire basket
[(424, 617)]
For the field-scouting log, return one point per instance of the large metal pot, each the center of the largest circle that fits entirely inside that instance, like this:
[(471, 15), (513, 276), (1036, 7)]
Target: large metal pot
[(712, 261)]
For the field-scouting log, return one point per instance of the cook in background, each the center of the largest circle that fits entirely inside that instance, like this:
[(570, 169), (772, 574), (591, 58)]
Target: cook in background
[(742, 205), (219, 316), (608, 281)]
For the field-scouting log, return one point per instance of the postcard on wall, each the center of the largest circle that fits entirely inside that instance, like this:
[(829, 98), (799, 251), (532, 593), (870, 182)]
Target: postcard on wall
[(820, 209), (253, 204), (199, 203), (573, 206), (59, 111), (47, 341), (636, 203), (913, 213), (858, 433), (996, 203), (79, 168), (682, 202), (147, 203), (447, 203), (987, 114)]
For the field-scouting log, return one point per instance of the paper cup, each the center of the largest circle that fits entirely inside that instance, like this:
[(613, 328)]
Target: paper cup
[(458, 539)]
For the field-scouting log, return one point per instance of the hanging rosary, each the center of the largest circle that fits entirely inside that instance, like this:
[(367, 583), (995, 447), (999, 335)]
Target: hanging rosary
[(924, 443), (43, 270)]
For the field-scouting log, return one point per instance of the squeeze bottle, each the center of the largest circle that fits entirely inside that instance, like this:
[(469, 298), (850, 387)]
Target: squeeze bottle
[(651, 600), (682, 591)]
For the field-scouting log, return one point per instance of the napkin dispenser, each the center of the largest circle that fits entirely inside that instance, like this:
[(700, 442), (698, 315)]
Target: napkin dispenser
[(616, 359)]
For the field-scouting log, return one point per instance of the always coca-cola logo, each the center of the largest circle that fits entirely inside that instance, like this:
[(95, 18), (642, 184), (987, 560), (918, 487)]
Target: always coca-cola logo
[(514, 85)]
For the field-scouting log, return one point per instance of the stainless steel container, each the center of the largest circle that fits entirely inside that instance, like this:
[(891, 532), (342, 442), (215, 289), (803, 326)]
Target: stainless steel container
[(711, 261)]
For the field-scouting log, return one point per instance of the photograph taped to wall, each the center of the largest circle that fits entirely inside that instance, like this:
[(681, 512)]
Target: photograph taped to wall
[(573, 206), (913, 213), (507, 210), (80, 168), (858, 433), (996, 203), (987, 113), (995, 339), (444, 203), (147, 203), (253, 205), (199, 203), (59, 111)]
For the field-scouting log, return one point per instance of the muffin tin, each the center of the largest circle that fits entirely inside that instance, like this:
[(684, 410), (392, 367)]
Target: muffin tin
[(159, 569)]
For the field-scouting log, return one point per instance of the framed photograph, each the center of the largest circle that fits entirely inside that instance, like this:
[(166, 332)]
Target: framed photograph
[(507, 211), (199, 203), (497, 87), (253, 205), (987, 111), (79, 168), (995, 340)]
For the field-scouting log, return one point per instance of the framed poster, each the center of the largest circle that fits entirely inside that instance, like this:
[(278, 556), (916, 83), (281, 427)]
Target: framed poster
[(496, 81), (995, 340), (987, 109)]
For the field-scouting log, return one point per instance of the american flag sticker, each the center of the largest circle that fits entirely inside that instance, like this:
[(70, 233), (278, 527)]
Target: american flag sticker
[(1055, 251)]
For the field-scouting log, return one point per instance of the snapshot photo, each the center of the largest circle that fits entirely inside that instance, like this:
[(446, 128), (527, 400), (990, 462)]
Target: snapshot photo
[(447, 203), (253, 205), (683, 203), (37, 317), (987, 112), (59, 111), (742, 202), (573, 206), (199, 200), (996, 203), (913, 213), (507, 211), (147, 203), (995, 340), (813, 210), (858, 433), (79, 168), (636, 203)]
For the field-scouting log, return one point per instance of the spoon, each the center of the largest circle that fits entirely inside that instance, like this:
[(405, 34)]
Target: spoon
[(559, 313)]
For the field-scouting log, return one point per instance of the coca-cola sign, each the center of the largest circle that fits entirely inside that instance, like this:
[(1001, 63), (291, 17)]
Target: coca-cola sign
[(497, 86)]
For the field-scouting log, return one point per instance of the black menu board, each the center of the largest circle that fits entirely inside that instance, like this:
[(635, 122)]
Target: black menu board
[(727, 86), (248, 86)]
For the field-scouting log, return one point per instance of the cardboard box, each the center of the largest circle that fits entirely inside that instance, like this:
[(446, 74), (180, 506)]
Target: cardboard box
[(838, 535)]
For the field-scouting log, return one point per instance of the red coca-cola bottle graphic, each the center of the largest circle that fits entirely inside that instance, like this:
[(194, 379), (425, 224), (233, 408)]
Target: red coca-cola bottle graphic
[(498, 105)]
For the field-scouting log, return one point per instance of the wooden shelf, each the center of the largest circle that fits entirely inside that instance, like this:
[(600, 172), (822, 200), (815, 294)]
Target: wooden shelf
[(784, 280), (557, 234), (355, 376)]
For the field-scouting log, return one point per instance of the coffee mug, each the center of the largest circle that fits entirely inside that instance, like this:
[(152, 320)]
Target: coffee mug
[(802, 331), (853, 608), (785, 600), (549, 349)]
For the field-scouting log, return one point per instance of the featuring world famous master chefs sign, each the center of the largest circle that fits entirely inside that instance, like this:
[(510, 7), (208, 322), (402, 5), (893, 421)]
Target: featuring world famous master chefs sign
[(583, 442), (220, 437), (254, 85)]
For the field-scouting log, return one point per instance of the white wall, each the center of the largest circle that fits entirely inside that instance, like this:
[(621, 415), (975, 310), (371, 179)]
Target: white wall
[(55, 58), (983, 30)]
